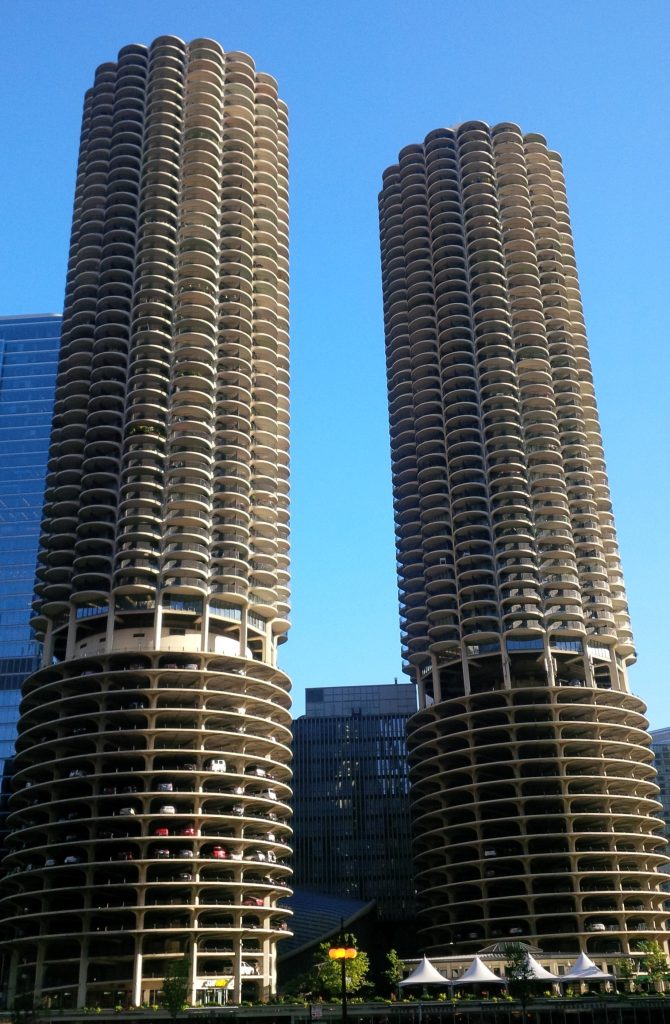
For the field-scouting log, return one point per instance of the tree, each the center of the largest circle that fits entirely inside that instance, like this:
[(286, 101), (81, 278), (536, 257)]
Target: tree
[(518, 972), (395, 970), (328, 972), (654, 961), (626, 969), (175, 986)]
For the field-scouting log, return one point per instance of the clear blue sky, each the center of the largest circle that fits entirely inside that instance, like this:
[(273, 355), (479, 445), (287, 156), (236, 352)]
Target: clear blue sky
[(362, 79)]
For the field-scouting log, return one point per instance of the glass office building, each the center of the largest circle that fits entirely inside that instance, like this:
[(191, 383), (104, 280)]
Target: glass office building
[(351, 815), (660, 744), (28, 362)]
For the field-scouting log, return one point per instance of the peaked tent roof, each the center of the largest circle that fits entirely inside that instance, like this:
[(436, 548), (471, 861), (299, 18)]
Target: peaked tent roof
[(425, 974), (539, 971), (478, 974), (584, 969)]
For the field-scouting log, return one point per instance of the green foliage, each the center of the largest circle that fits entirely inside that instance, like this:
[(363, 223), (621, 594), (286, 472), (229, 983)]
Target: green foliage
[(395, 970), (517, 970), (298, 988), (654, 961), (328, 973), (626, 968), (175, 986), (517, 967)]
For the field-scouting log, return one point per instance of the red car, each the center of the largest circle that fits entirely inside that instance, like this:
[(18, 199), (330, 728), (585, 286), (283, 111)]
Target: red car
[(220, 853), (162, 831), (187, 831)]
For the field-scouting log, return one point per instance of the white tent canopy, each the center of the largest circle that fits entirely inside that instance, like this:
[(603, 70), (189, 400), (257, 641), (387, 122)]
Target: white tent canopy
[(478, 974), (540, 972), (425, 974), (584, 969)]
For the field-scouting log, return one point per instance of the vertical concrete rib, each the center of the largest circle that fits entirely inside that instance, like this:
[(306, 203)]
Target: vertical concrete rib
[(153, 761), (533, 794)]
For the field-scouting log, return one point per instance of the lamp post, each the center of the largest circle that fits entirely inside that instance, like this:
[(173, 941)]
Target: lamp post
[(343, 954)]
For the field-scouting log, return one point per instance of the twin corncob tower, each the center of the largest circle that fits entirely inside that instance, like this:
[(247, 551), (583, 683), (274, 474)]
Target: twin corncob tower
[(150, 816), (533, 790), (152, 774)]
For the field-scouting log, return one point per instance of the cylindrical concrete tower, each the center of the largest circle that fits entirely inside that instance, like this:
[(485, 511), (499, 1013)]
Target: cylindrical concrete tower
[(533, 785), (150, 817)]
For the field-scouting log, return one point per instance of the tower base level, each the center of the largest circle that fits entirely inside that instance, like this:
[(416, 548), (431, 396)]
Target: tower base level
[(150, 824), (535, 810)]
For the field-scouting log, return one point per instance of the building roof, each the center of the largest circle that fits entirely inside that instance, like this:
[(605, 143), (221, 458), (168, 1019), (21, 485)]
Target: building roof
[(478, 974), (425, 974), (317, 916), (584, 969)]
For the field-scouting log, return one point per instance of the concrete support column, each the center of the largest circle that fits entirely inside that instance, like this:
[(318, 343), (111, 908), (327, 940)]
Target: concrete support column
[(549, 662), (622, 674), (244, 628), (204, 628), (158, 625), (71, 633), (83, 975), (507, 675), (237, 971), (466, 669), (39, 974), (421, 689), (137, 978), (109, 634), (193, 978), (617, 673), (437, 689), (268, 973), (12, 979), (268, 653), (48, 647)]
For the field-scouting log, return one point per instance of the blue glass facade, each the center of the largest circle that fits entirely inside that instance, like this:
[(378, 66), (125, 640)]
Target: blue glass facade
[(660, 744), (29, 348), (351, 815)]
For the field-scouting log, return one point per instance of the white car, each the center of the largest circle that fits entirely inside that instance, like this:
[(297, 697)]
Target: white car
[(127, 810), (217, 764), (167, 809)]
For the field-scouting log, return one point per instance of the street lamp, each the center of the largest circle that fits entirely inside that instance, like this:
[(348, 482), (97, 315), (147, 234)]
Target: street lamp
[(343, 954)]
